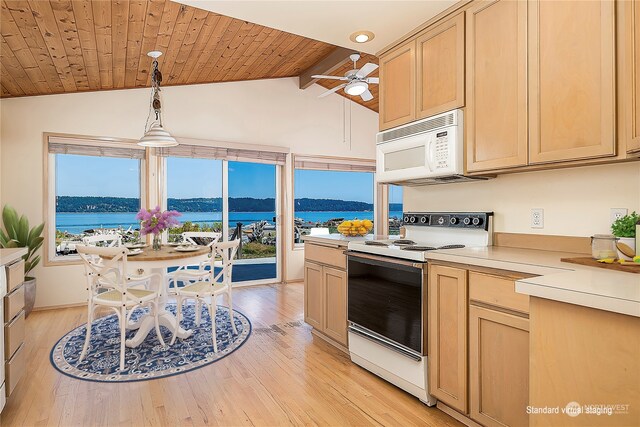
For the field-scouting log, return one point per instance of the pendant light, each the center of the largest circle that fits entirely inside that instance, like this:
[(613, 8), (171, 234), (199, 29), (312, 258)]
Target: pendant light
[(154, 133)]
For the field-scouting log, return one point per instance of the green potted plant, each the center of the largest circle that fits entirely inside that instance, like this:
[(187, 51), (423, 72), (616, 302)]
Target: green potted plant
[(17, 234), (625, 230)]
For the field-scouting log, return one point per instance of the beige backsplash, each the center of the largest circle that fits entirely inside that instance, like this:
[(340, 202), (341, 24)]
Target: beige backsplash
[(576, 201)]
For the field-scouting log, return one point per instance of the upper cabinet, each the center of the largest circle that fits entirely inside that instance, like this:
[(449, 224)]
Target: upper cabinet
[(398, 92), (496, 112), (440, 68), (424, 76), (571, 51), (631, 78)]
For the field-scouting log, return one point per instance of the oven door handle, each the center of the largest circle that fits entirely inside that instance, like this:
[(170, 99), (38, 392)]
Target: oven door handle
[(385, 260)]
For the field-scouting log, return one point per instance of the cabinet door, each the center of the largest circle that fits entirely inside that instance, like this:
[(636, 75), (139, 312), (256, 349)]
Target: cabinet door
[(335, 295), (398, 86), (631, 82), (447, 358), (571, 80), (440, 72), (496, 113), (498, 368), (313, 295)]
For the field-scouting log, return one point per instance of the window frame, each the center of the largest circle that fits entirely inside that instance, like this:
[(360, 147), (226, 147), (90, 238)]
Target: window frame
[(49, 187), (379, 190)]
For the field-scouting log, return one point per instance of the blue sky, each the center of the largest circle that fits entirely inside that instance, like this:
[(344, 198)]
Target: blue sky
[(97, 176), (187, 178)]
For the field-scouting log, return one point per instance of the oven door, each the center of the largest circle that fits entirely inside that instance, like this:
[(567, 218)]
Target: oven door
[(387, 301)]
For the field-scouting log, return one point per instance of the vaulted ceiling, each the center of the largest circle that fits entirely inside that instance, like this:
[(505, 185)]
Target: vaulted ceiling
[(64, 46)]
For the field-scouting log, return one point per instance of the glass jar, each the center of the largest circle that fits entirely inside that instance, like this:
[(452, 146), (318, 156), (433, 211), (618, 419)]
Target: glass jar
[(603, 246)]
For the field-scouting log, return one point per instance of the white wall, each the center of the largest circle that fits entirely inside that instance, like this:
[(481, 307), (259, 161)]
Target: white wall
[(272, 112), (576, 201)]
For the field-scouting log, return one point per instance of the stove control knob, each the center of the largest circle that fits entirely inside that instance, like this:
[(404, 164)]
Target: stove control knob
[(423, 220), (453, 220), (476, 221), (466, 221), (441, 220), (406, 219), (412, 219)]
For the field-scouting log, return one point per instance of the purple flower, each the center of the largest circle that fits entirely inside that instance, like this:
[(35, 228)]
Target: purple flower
[(154, 221)]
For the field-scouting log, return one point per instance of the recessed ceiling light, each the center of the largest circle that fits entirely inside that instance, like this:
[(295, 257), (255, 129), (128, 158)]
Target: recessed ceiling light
[(362, 36)]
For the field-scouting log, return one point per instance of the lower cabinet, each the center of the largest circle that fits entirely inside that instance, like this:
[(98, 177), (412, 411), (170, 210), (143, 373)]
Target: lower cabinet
[(478, 358), (325, 300), (14, 356), (447, 337), (498, 367)]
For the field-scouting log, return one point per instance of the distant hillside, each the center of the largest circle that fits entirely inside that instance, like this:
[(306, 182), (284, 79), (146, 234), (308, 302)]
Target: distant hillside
[(87, 204)]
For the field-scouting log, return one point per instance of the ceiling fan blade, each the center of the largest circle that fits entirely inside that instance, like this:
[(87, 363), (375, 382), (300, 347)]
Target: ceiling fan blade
[(374, 80), (366, 95), (367, 69), (330, 91), (328, 77)]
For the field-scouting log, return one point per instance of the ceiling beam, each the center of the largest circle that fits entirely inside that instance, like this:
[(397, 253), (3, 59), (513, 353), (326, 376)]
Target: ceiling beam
[(326, 65)]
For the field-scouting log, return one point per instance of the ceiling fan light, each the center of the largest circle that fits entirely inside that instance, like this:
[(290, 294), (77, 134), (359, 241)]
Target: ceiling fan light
[(157, 137), (356, 88)]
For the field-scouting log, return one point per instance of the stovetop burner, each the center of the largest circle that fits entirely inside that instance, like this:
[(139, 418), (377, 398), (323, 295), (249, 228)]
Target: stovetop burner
[(418, 248), (400, 242), (375, 243), (451, 247)]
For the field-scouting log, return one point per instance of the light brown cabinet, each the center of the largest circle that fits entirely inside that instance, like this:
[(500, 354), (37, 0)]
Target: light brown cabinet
[(479, 344), (398, 86), (571, 64), (440, 68), (447, 332), (498, 367), (325, 291), (631, 77), (496, 106)]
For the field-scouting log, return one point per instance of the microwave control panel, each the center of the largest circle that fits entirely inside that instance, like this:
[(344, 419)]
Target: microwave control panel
[(441, 150)]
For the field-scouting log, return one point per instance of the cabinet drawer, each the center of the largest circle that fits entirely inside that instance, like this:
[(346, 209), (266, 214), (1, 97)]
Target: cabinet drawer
[(13, 303), (497, 291), (15, 275), (334, 257), (13, 335), (15, 369)]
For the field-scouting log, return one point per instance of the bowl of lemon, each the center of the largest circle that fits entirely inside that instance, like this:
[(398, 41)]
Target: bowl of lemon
[(355, 227)]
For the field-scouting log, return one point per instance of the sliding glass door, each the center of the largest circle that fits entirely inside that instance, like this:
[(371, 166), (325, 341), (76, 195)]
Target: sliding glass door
[(238, 199), (252, 217)]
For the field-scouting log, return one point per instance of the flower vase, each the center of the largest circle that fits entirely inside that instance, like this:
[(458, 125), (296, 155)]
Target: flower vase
[(157, 242)]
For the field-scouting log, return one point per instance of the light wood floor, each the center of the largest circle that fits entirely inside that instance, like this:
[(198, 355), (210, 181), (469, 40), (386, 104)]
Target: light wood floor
[(281, 376)]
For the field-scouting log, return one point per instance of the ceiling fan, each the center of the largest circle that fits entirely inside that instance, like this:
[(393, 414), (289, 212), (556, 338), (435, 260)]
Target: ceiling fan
[(357, 80)]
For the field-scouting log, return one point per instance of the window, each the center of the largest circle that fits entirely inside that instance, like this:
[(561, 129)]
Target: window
[(328, 191), (395, 209), (194, 188), (95, 188)]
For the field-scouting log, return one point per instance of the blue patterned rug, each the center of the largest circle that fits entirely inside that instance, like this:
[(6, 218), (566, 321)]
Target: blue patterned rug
[(149, 360)]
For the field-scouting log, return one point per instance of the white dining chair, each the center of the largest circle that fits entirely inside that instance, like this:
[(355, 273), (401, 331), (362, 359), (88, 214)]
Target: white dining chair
[(108, 285), (204, 286), (201, 238)]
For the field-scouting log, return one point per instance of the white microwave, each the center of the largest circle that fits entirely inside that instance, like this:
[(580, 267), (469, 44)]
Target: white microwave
[(428, 151)]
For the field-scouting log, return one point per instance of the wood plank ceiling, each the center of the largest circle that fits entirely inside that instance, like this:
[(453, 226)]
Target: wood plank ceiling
[(63, 46)]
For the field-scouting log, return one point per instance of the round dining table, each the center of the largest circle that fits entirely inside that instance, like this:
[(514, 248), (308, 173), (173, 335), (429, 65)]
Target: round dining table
[(158, 261)]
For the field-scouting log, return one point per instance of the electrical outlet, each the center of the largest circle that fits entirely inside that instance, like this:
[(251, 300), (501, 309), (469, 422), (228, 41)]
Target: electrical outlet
[(617, 213), (537, 218)]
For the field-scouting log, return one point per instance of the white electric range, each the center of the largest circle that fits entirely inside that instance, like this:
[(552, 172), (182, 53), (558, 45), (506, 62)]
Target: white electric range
[(387, 294)]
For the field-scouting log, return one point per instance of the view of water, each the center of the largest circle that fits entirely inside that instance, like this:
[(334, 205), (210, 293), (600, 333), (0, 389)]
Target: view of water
[(78, 222)]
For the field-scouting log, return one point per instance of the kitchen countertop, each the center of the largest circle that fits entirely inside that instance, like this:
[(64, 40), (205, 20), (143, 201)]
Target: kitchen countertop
[(337, 239), (9, 255)]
